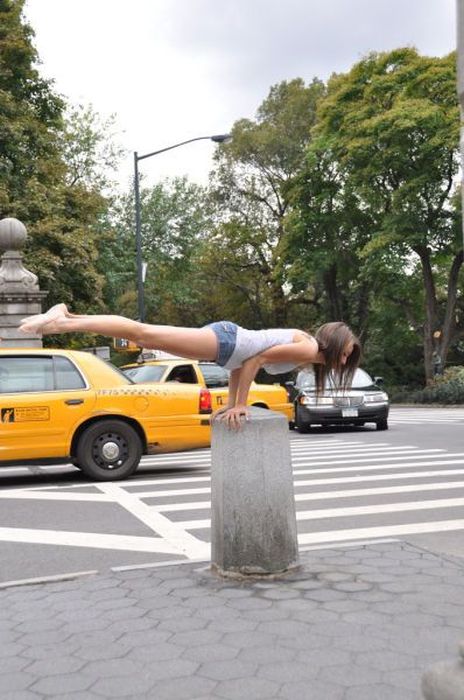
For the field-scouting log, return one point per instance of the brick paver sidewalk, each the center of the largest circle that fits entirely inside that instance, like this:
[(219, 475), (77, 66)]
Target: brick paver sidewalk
[(354, 624)]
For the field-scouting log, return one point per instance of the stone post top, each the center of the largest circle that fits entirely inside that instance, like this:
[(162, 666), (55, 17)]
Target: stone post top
[(260, 414), (13, 234)]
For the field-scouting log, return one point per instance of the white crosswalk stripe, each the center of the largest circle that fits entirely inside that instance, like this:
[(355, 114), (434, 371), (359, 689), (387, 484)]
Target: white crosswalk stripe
[(417, 416)]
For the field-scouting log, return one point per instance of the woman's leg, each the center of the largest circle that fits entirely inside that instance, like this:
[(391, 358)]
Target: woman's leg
[(195, 343)]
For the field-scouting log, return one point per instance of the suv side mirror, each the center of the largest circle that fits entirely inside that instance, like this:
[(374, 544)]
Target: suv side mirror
[(378, 380), (289, 385)]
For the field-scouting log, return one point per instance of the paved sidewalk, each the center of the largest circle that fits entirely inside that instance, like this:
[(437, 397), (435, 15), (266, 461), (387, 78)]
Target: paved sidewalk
[(356, 623)]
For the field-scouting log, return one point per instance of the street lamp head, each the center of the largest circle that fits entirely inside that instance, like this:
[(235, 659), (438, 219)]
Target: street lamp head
[(221, 138)]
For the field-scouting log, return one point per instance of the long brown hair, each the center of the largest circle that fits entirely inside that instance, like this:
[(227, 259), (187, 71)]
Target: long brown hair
[(332, 339)]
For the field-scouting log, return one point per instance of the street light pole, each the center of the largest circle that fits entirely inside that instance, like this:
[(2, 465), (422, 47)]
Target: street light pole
[(138, 241), (460, 45), (217, 138)]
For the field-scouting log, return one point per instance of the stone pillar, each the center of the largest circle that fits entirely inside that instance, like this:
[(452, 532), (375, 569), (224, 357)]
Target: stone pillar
[(253, 523), (20, 295), (445, 680)]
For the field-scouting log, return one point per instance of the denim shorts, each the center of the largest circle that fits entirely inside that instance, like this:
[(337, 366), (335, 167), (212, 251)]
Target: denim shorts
[(226, 334)]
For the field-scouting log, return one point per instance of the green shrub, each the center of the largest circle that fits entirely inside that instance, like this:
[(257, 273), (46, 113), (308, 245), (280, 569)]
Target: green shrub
[(446, 389)]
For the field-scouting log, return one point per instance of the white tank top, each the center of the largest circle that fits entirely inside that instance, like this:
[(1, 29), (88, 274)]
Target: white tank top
[(250, 343)]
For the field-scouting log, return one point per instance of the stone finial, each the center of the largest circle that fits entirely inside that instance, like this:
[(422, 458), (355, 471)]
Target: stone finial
[(13, 275), (13, 234)]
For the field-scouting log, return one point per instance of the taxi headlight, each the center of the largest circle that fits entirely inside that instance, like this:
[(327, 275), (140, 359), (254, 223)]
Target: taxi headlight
[(381, 397), (315, 401)]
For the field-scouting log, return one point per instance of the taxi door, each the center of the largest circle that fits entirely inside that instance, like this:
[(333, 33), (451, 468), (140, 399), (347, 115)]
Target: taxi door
[(42, 399)]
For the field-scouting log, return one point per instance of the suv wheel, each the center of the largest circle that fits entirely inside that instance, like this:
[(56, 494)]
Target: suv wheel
[(382, 424), (302, 426)]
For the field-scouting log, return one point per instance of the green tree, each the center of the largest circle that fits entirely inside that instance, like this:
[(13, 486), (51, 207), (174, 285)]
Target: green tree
[(51, 170), (174, 220), (391, 125), (31, 121), (251, 191)]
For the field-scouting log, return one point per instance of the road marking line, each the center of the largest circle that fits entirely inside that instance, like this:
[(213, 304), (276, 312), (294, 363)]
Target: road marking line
[(327, 495), (349, 511), (178, 540), (381, 531), (382, 459), (384, 477), (334, 480), (55, 496), (363, 468), (91, 540)]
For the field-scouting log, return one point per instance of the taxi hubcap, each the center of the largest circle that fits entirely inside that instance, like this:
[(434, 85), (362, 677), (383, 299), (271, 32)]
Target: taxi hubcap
[(110, 450)]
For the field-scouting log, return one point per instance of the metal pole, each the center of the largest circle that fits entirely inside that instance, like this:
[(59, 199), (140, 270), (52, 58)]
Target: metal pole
[(217, 138), (460, 45), (138, 241)]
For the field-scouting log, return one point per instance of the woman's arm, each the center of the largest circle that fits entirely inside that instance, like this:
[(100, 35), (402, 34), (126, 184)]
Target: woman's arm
[(300, 352), (232, 393), (233, 386), (240, 384)]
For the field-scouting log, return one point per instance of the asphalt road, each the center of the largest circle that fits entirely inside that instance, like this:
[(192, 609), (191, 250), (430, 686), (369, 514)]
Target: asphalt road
[(351, 486)]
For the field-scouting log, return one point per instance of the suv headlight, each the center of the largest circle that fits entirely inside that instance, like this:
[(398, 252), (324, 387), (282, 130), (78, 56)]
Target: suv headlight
[(381, 397), (315, 401)]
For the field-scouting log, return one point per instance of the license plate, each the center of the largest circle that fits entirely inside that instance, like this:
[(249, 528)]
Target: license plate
[(349, 412)]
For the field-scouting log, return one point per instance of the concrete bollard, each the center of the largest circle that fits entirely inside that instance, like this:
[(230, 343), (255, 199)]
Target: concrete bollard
[(253, 521), (445, 680)]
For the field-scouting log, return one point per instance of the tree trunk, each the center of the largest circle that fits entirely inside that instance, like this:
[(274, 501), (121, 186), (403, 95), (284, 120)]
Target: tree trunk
[(449, 323), (330, 285), (438, 345), (431, 310)]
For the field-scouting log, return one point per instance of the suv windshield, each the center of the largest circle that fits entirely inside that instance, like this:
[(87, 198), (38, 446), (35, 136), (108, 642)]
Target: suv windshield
[(145, 373), (306, 380)]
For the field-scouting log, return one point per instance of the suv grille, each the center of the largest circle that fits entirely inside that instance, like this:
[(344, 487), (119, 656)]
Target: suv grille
[(348, 401)]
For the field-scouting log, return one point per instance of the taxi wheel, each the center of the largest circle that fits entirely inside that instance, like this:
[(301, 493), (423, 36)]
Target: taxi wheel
[(109, 450)]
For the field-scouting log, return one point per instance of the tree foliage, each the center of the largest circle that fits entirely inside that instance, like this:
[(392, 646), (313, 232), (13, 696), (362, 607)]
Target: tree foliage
[(174, 221), (51, 170), (388, 132), (251, 188)]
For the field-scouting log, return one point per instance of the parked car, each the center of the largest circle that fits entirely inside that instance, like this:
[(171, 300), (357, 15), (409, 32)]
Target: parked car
[(211, 376), (67, 405), (364, 402)]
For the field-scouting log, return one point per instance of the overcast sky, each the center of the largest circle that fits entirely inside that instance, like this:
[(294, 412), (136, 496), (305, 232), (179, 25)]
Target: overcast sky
[(176, 69)]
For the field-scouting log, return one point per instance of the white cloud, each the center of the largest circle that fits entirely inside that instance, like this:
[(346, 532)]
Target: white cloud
[(176, 69)]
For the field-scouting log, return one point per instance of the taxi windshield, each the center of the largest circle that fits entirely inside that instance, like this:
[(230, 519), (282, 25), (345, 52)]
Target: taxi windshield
[(117, 371)]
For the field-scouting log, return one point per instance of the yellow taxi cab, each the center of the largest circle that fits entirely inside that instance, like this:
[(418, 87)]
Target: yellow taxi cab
[(60, 405), (208, 375)]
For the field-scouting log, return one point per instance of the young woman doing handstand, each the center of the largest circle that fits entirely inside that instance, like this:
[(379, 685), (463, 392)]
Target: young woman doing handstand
[(334, 347)]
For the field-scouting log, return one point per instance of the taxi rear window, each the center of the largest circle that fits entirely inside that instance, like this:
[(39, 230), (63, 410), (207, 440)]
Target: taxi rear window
[(32, 374)]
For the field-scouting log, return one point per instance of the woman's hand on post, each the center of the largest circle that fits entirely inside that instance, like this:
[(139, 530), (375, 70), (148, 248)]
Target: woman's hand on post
[(234, 417), (217, 413)]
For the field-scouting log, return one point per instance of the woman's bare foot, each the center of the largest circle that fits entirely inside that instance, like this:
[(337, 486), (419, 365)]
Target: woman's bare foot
[(49, 322)]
